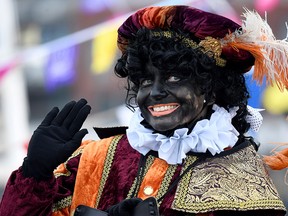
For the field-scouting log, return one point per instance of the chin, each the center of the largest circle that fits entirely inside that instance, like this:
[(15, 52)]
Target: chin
[(163, 127)]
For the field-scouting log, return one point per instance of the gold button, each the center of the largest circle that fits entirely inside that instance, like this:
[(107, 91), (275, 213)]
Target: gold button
[(148, 190)]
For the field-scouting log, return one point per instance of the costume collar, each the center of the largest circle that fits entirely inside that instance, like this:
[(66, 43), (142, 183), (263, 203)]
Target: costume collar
[(212, 135)]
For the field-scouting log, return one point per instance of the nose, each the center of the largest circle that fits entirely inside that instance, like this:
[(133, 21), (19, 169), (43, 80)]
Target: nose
[(158, 91)]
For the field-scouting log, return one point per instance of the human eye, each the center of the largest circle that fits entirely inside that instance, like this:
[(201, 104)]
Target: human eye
[(146, 82), (173, 79)]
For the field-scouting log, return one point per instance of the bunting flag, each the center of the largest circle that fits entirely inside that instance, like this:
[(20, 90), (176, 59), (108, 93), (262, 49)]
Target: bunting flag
[(60, 68), (92, 6), (104, 50)]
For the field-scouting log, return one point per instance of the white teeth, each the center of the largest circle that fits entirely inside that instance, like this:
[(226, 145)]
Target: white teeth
[(163, 108)]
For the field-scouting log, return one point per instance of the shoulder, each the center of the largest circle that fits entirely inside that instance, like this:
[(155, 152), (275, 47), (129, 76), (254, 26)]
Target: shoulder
[(111, 138), (106, 146), (237, 174), (109, 131)]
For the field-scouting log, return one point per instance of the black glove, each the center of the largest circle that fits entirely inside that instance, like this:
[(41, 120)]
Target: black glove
[(83, 210), (148, 207), (55, 139), (124, 208)]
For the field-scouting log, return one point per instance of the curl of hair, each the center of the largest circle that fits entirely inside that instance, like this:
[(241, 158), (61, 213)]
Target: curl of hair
[(225, 85)]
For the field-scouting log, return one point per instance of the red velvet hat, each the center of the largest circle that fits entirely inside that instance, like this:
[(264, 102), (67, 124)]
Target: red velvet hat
[(233, 45)]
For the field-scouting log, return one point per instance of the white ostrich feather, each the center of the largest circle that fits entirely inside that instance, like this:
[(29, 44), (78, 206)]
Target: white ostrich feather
[(272, 58)]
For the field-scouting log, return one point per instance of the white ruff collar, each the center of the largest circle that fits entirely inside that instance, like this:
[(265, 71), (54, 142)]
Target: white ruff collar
[(212, 135)]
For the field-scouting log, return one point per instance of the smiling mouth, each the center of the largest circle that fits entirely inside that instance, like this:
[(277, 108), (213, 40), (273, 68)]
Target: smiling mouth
[(163, 109)]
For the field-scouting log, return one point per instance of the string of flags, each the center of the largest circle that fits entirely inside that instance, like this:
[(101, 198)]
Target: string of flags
[(61, 54)]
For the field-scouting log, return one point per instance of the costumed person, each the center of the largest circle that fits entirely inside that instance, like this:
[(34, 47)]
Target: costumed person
[(186, 145)]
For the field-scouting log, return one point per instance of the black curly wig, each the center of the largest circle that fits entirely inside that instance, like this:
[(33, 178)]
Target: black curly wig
[(225, 85)]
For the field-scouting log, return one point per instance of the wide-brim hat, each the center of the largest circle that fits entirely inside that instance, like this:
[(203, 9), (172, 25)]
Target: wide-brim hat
[(241, 46)]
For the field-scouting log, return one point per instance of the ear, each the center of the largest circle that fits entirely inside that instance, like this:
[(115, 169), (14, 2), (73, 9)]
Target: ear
[(210, 99)]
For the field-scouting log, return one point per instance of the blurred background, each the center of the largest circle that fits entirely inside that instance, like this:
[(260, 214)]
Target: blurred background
[(54, 51)]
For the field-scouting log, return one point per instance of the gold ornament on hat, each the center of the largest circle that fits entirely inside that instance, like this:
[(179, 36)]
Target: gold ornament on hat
[(212, 47)]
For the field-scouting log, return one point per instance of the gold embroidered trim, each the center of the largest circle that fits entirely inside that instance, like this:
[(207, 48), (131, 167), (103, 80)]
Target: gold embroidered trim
[(166, 182), (64, 203), (107, 166), (209, 45), (237, 181), (149, 162), (184, 182), (68, 173)]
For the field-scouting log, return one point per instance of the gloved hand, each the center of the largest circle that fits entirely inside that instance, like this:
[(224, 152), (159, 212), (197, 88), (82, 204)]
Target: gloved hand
[(55, 139), (124, 208)]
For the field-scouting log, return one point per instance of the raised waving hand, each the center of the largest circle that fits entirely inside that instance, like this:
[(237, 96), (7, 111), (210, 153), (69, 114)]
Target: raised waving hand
[(55, 139)]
